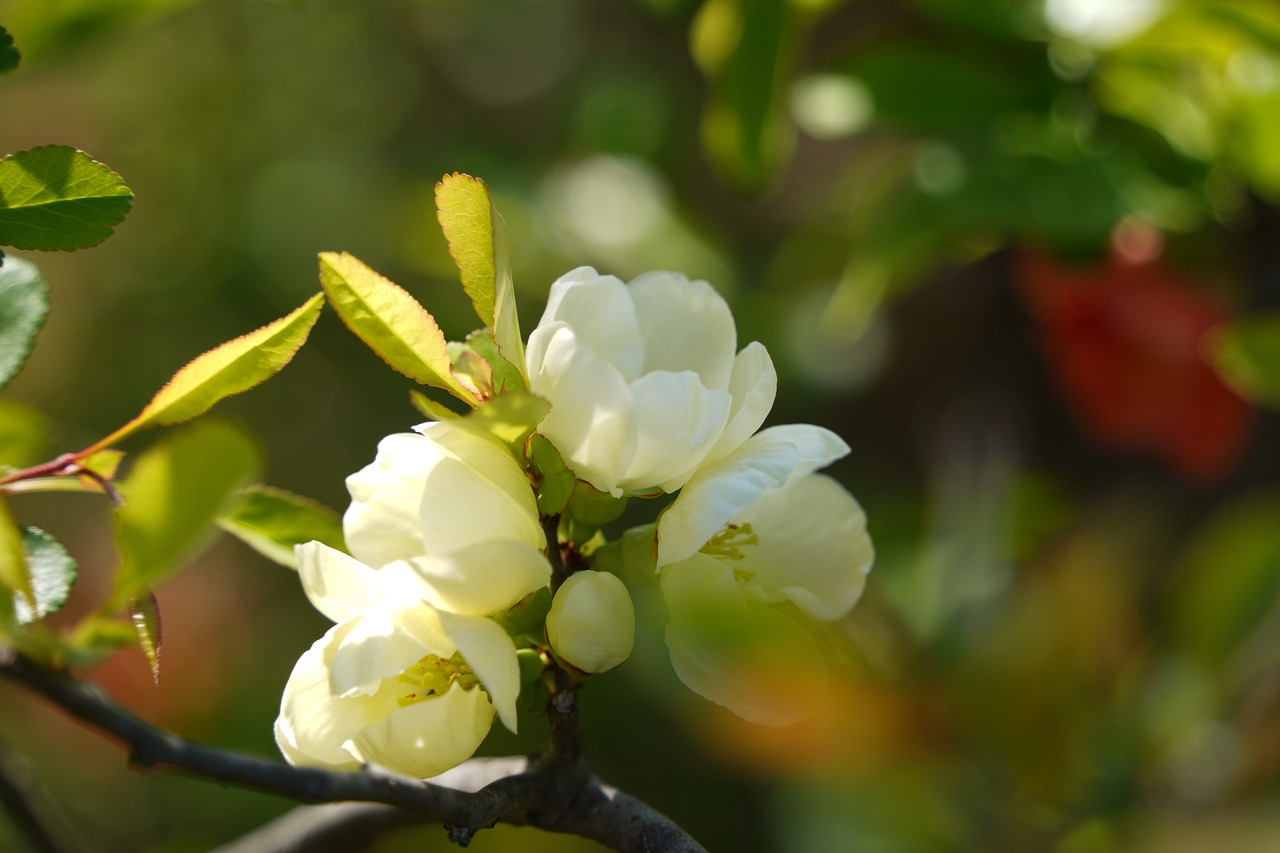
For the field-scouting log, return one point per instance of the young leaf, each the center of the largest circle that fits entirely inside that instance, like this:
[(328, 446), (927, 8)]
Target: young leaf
[(9, 55), (509, 418), (272, 521), (1247, 354), (505, 377), (430, 408), (144, 612), (226, 370), (24, 302), (57, 198), (52, 573), (173, 495), (478, 243), (390, 321), (15, 575)]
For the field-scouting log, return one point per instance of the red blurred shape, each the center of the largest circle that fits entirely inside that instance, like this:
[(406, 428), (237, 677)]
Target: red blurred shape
[(1122, 341)]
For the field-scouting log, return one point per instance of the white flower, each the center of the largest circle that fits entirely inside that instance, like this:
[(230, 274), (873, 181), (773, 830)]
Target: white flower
[(396, 682), (592, 623), (644, 379), (756, 530)]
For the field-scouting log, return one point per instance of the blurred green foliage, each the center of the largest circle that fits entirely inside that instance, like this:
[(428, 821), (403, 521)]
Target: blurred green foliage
[(1066, 643)]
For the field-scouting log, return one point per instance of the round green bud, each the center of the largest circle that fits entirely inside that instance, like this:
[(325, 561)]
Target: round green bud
[(592, 623)]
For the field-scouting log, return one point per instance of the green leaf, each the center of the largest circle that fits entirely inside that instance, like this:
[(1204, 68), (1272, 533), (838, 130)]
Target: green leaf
[(478, 244), (430, 408), (96, 637), (1247, 355), (173, 495), (509, 418), (555, 480), (226, 370), (52, 573), (57, 198), (144, 613), (24, 435), (15, 575), (390, 322), (24, 303), (272, 521), (9, 55), (505, 377)]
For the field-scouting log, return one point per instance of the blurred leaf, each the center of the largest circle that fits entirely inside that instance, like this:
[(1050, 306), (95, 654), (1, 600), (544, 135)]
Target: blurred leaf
[(24, 303), (47, 28), (15, 574), (390, 322), (1247, 354), (272, 521), (555, 480), (478, 244), (144, 613), (173, 495), (229, 369), (509, 418), (24, 435), (52, 573), (1228, 580), (96, 637), (57, 198), (430, 408), (9, 55)]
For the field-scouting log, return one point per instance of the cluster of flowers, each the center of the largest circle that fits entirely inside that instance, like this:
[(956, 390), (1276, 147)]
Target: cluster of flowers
[(648, 396)]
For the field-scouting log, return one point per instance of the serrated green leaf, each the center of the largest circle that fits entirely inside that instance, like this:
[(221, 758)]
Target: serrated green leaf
[(24, 303), (478, 244), (173, 495), (52, 573), (144, 613), (509, 418), (24, 435), (14, 572), (430, 408), (1247, 354), (272, 521), (555, 480), (224, 371), (9, 56), (390, 322), (505, 377), (57, 198)]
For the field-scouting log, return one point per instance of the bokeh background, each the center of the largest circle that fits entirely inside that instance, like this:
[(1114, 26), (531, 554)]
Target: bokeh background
[(989, 242)]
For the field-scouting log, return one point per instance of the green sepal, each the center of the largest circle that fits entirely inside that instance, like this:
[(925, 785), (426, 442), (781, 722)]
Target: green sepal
[(55, 198), (429, 408), (524, 620), (272, 521), (52, 572), (588, 510), (531, 665), (555, 480), (144, 613), (633, 557), (24, 304)]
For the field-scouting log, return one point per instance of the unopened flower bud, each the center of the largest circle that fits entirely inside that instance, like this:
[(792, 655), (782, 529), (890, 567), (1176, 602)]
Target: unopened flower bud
[(592, 623)]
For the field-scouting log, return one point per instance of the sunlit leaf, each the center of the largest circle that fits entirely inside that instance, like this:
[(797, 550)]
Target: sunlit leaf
[(509, 418), (477, 243), (24, 303), (9, 55), (390, 322), (430, 408), (24, 435), (272, 521), (555, 480), (1247, 354), (173, 495), (52, 573), (57, 198), (226, 370), (14, 572), (505, 376), (144, 612)]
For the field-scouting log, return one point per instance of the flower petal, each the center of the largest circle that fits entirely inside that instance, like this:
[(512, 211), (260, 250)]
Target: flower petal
[(718, 492), (381, 525), (754, 386), (599, 310), (339, 586), (678, 422), (427, 737), (813, 547), (686, 326), (485, 578), (315, 727), (384, 643), (492, 657)]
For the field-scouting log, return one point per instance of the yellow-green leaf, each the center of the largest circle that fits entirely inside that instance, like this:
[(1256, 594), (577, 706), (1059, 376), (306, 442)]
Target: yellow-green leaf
[(144, 612), (1247, 354), (430, 408), (272, 521), (226, 370), (509, 418), (478, 243), (390, 322), (52, 572), (14, 572)]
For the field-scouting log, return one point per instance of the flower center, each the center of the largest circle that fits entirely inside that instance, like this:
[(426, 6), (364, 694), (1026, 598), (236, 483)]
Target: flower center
[(728, 545), (433, 676)]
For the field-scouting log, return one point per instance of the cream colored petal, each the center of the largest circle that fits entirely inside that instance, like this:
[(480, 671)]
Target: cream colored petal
[(592, 622), (678, 422), (718, 492), (754, 386), (428, 737), (686, 326), (381, 525), (339, 586), (813, 547), (599, 310), (378, 647), (315, 727), (485, 578), (492, 657), (592, 419)]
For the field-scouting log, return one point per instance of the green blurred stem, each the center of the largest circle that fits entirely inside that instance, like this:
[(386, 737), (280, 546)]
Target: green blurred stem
[(553, 789)]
